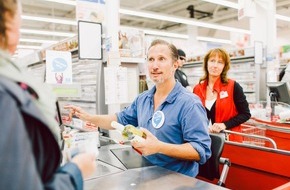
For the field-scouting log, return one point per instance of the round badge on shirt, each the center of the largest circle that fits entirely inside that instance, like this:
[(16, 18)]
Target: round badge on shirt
[(158, 119)]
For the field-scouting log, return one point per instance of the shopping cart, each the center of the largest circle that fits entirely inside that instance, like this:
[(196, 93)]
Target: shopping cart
[(253, 130)]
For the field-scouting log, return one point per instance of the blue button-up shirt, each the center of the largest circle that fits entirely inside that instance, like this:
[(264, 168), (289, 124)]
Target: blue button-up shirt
[(185, 122)]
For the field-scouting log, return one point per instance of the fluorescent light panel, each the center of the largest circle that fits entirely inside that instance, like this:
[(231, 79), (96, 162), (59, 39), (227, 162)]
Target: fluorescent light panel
[(184, 36), (167, 18), (218, 2), (158, 33), (165, 34), (224, 3), (46, 19), (216, 40), (284, 18), (38, 41), (152, 15), (236, 6), (48, 33), (29, 47), (159, 17), (67, 2)]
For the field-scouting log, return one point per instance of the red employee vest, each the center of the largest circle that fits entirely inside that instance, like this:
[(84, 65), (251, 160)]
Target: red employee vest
[(225, 105)]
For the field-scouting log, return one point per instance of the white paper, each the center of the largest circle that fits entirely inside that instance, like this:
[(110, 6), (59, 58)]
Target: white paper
[(258, 52), (116, 84), (133, 85)]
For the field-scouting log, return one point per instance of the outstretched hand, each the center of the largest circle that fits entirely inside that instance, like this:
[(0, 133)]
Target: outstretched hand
[(79, 112)]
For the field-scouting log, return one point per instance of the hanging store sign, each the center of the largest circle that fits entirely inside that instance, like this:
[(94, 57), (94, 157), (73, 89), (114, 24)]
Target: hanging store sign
[(90, 10), (247, 8)]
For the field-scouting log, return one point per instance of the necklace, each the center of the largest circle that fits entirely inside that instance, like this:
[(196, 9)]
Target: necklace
[(212, 92)]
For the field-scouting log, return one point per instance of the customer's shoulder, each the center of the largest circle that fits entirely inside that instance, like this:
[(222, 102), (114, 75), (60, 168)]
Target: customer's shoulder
[(7, 85), (8, 92), (12, 89)]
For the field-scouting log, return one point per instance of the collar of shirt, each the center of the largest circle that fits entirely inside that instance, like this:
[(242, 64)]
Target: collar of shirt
[(172, 95)]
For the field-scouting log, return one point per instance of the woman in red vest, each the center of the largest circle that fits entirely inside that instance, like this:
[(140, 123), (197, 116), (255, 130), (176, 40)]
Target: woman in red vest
[(222, 97)]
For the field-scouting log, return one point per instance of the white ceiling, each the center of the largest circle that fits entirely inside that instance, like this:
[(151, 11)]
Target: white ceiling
[(218, 14)]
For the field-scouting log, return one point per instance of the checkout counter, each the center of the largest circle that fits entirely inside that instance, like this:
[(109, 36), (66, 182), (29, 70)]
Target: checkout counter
[(121, 168)]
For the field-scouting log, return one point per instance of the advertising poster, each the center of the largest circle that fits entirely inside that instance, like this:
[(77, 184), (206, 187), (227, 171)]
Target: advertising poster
[(131, 42), (58, 67)]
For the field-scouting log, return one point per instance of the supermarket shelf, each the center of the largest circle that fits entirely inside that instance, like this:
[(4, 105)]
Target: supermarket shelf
[(245, 81), (132, 60), (242, 70), (233, 60)]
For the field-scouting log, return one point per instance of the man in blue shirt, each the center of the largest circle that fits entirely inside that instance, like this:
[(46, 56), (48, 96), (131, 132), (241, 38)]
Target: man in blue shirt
[(173, 118)]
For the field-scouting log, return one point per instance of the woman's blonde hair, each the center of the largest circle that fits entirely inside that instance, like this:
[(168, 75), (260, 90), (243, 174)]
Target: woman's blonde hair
[(226, 59)]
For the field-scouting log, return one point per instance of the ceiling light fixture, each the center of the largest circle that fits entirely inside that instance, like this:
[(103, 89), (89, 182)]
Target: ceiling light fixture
[(284, 18), (216, 40), (46, 19), (165, 34), (152, 15), (182, 36), (152, 32), (224, 3), (218, 2), (67, 2), (48, 33), (29, 47), (38, 41), (236, 6)]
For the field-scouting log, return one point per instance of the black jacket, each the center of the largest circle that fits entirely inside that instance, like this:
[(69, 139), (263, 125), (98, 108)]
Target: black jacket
[(181, 77)]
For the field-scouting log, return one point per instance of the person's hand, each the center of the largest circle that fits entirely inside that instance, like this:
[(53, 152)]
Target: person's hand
[(79, 112), (217, 127), (149, 145), (86, 163)]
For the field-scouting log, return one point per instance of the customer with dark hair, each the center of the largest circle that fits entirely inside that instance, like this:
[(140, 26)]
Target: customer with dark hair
[(30, 154), (179, 74), (173, 118), (223, 98)]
